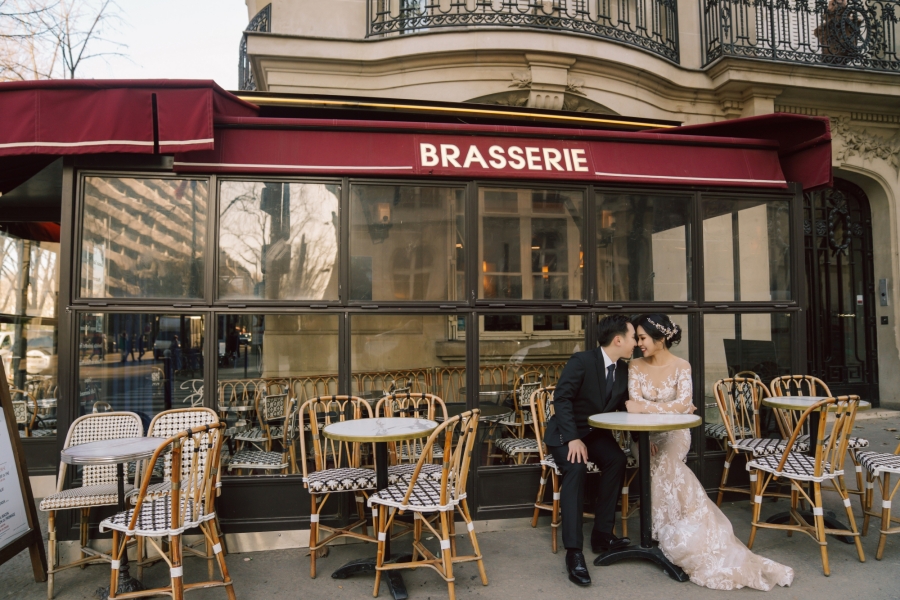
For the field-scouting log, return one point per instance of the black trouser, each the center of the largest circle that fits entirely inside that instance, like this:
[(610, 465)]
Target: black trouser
[(603, 451)]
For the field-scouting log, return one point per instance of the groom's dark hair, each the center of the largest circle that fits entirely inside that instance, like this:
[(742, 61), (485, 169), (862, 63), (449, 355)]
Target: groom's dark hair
[(610, 326)]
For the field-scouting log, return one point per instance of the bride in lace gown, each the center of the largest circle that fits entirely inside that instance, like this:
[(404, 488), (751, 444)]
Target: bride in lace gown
[(692, 532)]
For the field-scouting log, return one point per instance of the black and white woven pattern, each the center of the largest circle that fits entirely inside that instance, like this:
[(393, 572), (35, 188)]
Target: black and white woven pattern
[(718, 431), (346, 479), (549, 461), (20, 410), (103, 427), (169, 423), (511, 419), (798, 466), (759, 446), (155, 518), (517, 445), (877, 463), (802, 443), (39, 433), (257, 459), (398, 473), (425, 497), (83, 497), (437, 451)]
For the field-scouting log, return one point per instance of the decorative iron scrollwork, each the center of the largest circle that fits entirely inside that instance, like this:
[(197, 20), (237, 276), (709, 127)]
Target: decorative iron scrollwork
[(261, 22)]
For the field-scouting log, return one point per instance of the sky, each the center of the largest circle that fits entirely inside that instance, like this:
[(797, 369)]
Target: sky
[(174, 39)]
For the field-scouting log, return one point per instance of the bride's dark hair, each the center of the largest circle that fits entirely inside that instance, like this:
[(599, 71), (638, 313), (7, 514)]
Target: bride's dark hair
[(659, 328)]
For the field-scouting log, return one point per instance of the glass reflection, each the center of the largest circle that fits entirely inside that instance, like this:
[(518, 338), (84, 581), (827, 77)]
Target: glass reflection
[(143, 238), (278, 240), (643, 247)]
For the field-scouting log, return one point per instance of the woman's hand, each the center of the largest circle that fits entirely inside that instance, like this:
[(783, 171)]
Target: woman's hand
[(633, 407), (653, 449)]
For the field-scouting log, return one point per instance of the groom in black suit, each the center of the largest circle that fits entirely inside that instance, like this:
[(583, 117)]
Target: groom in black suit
[(592, 382)]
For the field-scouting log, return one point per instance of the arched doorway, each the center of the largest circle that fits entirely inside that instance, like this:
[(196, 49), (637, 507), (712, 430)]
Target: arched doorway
[(841, 343)]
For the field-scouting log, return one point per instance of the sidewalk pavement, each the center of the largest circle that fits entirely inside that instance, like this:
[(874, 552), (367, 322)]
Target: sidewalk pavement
[(519, 564)]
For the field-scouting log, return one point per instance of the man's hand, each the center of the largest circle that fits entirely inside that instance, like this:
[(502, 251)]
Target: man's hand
[(577, 452)]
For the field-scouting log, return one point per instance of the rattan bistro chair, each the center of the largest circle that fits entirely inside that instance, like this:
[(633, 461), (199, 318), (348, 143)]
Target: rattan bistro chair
[(738, 400), (880, 466), (283, 460), (190, 503), (417, 406), (803, 470), (807, 385), (336, 467), (25, 411), (98, 485), (272, 412), (424, 496)]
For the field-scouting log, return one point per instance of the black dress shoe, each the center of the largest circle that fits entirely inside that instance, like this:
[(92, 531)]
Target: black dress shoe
[(607, 541), (578, 572)]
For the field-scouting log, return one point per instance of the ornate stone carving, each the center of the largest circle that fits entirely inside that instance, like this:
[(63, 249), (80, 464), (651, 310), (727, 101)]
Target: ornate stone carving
[(521, 80), (859, 142), (574, 86)]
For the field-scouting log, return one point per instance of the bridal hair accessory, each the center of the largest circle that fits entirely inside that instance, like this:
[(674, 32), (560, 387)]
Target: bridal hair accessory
[(669, 332)]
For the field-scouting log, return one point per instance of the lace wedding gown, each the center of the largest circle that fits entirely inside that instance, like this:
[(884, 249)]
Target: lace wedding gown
[(692, 532)]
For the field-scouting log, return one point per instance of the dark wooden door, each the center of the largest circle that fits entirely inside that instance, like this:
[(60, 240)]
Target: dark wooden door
[(840, 282)]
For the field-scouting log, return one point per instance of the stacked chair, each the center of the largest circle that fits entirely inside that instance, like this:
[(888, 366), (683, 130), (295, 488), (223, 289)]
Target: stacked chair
[(404, 456), (518, 447), (807, 474), (188, 503), (275, 426), (879, 467), (98, 485), (423, 497), (25, 411)]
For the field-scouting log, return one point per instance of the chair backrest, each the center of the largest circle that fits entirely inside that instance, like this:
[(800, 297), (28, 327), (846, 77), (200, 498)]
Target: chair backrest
[(315, 414), (837, 436), (795, 385), (415, 406), (195, 486), (525, 385), (24, 409), (93, 428), (195, 387), (541, 405), (170, 422), (739, 399), (101, 406), (457, 435)]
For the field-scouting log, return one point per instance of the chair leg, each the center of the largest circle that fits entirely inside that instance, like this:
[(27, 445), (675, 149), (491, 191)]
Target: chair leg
[(114, 572), (361, 510), (885, 515), (140, 557), (446, 556), (379, 555), (818, 512), (795, 503), (83, 531), (471, 528), (313, 536), (219, 552), (867, 502), (51, 551), (554, 519), (728, 458), (756, 490), (846, 499), (540, 496), (452, 526), (177, 568)]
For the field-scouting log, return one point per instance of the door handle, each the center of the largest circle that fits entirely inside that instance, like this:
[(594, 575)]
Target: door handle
[(845, 316)]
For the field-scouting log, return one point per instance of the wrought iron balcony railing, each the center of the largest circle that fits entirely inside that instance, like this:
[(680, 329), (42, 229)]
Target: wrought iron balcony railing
[(262, 21), (859, 34), (648, 24)]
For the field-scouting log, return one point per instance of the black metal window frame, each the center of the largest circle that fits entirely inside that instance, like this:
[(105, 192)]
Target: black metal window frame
[(471, 310)]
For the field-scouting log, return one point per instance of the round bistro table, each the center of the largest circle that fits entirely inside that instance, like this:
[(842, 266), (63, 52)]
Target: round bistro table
[(380, 431), (801, 403), (643, 424), (115, 452)]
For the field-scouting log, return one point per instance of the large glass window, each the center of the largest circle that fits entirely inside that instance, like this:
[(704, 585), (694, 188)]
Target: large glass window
[(746, 250), (29, 290), (407, 243), (530, 244), (143, 238), (268, 365), (139, 362), (643, 248), (750, 345), (278, 240), (408, 352)]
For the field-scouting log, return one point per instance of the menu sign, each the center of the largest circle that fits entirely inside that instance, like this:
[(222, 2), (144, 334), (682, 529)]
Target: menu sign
[(13, 518)]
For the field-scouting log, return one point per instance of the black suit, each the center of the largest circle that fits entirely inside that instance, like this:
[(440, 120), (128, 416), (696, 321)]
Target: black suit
[(580, 393)]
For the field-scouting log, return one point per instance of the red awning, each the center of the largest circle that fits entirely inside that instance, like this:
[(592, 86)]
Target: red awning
[(804, 142), (61, 117)]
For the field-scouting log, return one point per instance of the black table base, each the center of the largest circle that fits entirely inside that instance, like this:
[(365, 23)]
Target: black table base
[(367, 565), (637, 552)]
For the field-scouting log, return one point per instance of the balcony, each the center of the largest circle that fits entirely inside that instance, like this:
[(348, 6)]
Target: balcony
[(261, 22), (651, 25), (853, 34)]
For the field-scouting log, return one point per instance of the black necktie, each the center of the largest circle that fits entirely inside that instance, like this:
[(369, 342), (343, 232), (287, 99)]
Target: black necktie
[(610, 380)]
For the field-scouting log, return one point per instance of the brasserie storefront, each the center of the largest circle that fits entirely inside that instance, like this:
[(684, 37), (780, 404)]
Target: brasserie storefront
[(212, 249)]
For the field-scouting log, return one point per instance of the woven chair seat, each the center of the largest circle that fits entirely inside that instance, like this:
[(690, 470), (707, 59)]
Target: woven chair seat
[(346, 479), (416, 447), (879, 462), (256, 435), (155, 518), (425, 497), (46, 423), (720, 432), (517, 445), (257, 459), (84, 497), (759, 446), (798, 466), (398, 473), (40, 433), (549, 461), (510, 419), (802, 443)]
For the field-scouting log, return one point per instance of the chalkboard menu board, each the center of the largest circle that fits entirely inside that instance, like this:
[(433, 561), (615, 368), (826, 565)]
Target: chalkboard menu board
[(19, 525)]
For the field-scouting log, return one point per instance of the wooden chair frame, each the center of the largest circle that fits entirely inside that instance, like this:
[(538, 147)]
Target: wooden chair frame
[(418, 406), (887, 496)]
